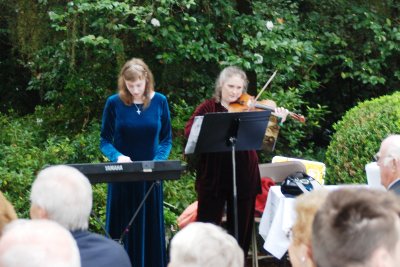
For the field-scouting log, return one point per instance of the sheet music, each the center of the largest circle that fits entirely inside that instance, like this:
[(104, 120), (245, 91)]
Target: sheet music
[(194, 135)]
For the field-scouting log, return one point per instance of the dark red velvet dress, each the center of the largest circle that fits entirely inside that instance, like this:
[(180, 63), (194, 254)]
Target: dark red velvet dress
[(214, 183)]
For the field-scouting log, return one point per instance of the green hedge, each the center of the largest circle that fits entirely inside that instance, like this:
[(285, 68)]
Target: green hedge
[(26, 147), (358, 136)]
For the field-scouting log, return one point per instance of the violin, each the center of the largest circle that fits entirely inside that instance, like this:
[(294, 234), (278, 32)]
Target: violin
[(247, 102)]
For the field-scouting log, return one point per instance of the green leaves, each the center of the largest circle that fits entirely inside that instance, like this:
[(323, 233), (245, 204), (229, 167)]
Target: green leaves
[(95, 41), (329, 56), (358, 136), (28, 143)]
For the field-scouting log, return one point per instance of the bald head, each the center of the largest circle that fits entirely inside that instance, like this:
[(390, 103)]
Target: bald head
[(389, 159), (38, 243), (205, 244), (63, 194)]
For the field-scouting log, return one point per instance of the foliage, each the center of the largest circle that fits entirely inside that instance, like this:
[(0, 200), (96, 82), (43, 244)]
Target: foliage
[(180, 193), (357, 46), (328, 55), (25, 148), (186, 43), (29, 143), (60, 61), (358, 137)]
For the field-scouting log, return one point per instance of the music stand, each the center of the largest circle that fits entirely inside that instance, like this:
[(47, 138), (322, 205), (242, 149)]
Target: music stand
[(236, 131)]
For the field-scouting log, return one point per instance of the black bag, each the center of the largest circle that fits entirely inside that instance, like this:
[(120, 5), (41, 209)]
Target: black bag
[(298, 183)]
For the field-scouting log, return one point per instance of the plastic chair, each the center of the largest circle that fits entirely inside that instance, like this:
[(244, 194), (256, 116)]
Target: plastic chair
[(277, 171)]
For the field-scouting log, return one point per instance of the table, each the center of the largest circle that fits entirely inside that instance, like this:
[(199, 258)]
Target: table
[(277, 220)]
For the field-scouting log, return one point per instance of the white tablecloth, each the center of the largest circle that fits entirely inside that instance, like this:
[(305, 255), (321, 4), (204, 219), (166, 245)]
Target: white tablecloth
[(276, 222)]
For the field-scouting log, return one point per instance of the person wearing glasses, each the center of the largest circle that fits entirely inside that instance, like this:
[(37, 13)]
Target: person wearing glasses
[(388, 160)]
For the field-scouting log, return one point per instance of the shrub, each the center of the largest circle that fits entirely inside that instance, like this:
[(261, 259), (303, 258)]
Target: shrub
[(25, 148), (178, 194), (358, 136), (30, 142)]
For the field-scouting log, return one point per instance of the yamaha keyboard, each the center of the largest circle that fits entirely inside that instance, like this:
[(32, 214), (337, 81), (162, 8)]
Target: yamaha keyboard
[(132, 171)]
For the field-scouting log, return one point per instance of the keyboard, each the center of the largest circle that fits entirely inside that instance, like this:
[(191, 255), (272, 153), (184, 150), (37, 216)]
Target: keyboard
[(133, 171)]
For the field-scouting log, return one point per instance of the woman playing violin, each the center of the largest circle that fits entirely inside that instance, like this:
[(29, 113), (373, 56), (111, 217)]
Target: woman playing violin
[(214, 170)]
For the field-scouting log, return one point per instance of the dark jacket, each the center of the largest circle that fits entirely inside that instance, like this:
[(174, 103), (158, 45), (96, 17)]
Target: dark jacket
[(99, 251), (395, 187)]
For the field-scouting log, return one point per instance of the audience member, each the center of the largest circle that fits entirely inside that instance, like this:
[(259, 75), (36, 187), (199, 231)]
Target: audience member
[(359, 227), (37, 243), (63, 194), (388, 160), (7, 212), (205, 245), (306, 207)]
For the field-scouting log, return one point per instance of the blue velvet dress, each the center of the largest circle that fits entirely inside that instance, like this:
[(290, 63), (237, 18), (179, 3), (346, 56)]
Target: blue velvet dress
[(144, 136)]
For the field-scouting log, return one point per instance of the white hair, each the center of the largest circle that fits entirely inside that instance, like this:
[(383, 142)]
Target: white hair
[(38, 243), (393, 148), (205, 244), (65, 194)]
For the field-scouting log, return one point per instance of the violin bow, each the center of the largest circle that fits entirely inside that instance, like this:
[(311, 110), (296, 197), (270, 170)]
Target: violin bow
[(265, 86), (293, 115)]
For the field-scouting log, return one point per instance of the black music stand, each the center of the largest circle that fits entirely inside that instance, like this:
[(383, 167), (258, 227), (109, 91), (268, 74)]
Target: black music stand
[(236, 131)]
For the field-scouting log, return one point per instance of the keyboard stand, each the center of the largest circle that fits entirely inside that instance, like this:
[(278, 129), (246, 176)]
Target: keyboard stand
[(128, 227)]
